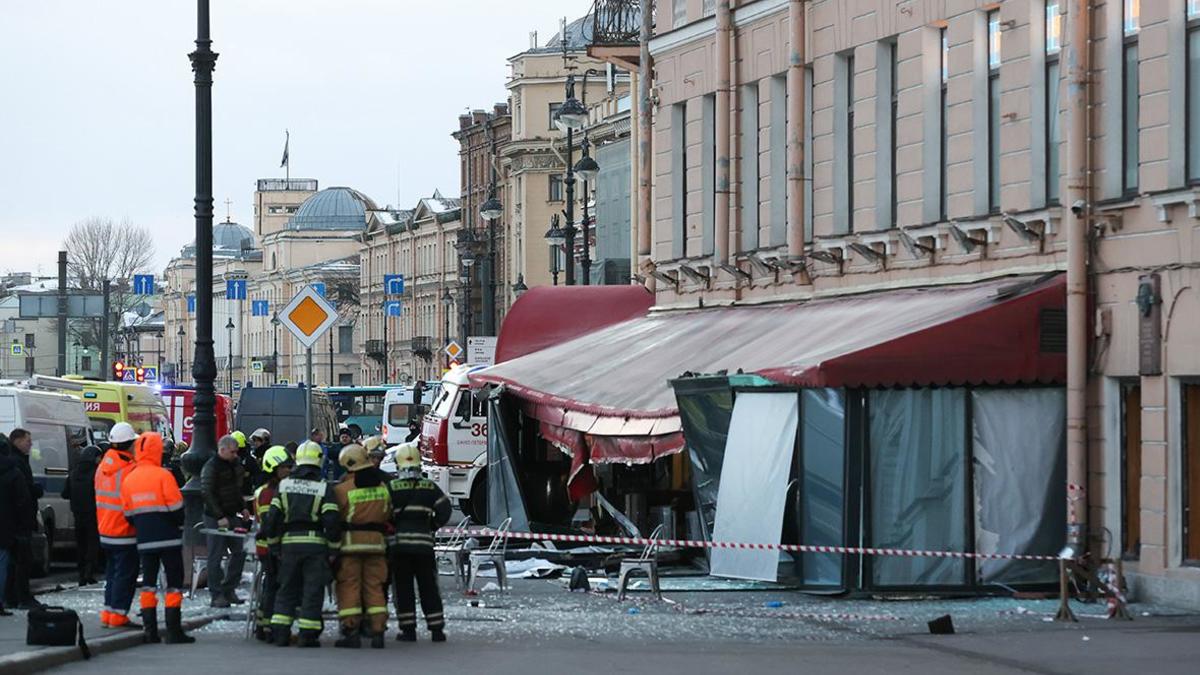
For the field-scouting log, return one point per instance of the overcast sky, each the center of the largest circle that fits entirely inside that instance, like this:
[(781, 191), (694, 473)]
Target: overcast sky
[(96, 104)]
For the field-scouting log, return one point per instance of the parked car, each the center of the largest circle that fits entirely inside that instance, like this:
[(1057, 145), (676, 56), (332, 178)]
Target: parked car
[(280, 410)]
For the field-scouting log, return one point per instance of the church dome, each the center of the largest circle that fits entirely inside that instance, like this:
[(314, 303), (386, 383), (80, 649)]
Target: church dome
[(335, 208)]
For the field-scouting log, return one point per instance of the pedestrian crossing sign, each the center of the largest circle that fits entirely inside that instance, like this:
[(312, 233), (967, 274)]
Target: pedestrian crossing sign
[(18, 349)]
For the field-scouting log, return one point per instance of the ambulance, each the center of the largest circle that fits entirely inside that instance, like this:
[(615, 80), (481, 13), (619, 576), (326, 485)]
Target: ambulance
[(107, 403)]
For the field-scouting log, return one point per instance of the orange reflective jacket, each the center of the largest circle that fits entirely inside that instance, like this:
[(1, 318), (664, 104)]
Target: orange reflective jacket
[(110, 517), (150, 497)]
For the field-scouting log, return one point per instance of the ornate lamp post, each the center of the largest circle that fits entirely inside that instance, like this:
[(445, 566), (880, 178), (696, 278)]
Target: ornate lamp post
[(556, 237), (181, 334), (571, 117)]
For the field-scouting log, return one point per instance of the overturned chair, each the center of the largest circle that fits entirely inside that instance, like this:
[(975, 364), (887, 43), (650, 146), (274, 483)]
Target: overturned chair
[(646, 563), (493, 555)]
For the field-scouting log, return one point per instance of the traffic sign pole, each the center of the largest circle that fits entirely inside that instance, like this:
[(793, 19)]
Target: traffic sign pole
[(308, 377)]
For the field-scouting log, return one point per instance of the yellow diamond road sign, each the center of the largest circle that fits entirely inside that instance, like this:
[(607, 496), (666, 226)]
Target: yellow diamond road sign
[(308, 316), (453, 350)]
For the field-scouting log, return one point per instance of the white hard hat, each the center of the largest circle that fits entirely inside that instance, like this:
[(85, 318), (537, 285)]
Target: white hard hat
[(122, 433)]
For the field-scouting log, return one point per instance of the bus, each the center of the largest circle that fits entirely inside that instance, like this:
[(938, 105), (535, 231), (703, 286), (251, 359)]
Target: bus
[(360, 406)]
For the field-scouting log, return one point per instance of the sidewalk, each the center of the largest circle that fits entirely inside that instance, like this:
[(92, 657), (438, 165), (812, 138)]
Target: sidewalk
[(16, 657)]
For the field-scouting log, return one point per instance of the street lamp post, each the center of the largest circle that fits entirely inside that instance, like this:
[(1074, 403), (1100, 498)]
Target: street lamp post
[(229, 360), (556, 238), (179, 367), (447, 304), (77, 346), (571, 117), (468, 262), (588, 170), (275, 348), (204, 366), (491, 211)]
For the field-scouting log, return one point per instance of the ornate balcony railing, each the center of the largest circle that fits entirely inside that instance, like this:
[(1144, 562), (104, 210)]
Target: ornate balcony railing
[(616, 22)]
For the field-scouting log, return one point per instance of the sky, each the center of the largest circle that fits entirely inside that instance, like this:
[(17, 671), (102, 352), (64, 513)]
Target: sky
[(97, 104)]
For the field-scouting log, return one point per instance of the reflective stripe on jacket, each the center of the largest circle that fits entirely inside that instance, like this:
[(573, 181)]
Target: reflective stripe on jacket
[(304, 513), (365, 504), (419, 508), (262, 505), (110, 514), (150, 497)]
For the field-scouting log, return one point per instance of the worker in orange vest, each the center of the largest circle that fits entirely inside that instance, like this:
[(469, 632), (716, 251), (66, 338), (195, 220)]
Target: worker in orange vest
[(117, 536), (152, 502)]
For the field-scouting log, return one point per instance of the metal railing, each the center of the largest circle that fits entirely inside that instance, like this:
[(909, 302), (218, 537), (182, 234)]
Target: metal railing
[(616, 22), (422, 345)]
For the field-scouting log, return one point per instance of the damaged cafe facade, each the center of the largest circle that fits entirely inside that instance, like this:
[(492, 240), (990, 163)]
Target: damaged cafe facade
[(906, 293)]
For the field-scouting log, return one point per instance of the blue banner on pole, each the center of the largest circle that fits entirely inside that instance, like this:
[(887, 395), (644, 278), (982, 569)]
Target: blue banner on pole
[(391, 308), (235, 289), (393, 284), (260, 308), (191, 304), (143, 284), (319, 287)]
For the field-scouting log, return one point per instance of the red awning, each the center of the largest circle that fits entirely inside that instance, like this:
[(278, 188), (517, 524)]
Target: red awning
[(614, 382), (547, 315)]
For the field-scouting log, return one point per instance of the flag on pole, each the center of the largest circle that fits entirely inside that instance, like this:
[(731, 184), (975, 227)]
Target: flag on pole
[(287, 141)]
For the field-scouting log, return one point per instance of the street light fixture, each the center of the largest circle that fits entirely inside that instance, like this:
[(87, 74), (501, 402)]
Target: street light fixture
[(519, 288), (492, 208), (555, 236), (571, 115), (586, 167)]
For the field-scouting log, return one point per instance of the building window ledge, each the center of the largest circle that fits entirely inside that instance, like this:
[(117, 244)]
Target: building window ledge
[(1163, 203)]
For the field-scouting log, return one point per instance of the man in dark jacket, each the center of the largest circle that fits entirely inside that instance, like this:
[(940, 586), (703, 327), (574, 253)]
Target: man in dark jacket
[(222, 484), (14, 501), (20, 443), (80, 490)]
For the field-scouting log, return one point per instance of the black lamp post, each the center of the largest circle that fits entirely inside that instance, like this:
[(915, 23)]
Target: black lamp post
[(491, 210), (275, 348), (229, 360), (556, 238), (181, 334), (204, 365), (467, 256), (447, 304), (77, 346), (588, 170), (571, 117)]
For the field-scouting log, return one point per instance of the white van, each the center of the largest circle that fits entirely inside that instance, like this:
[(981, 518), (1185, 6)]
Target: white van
[(454, 443), (60, 429), (403, 405)]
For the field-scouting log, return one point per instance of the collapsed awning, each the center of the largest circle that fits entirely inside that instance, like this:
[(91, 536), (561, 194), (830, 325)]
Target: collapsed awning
[(547, 315), (614, 381)]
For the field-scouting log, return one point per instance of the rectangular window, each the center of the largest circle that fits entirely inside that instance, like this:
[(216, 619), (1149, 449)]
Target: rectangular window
[(943, 184), (1191, 473), (556, 187), (553, 113), (894, 121), (345, 379), (708, 170), (850, 142), (1130, 98), (1131, 471), (679, 13), (777, 152), (808, 155), (749, 167), (994, 110), (345, 339), (1193, 91), (710, 7), (85, 363), (822, 480), (1053, 123), (679, 181)]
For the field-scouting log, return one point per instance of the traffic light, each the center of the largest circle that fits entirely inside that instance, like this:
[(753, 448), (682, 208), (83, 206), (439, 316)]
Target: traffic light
[(140, 374), (118, 371)]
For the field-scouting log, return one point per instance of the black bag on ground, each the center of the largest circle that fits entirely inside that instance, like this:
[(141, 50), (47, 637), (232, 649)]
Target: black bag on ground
[(56, 627)]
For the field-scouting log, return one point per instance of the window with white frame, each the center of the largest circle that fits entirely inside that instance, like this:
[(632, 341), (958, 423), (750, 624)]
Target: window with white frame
[(994, 60), (1193, 91), (1130, 97), (943, 185), (1053, 78)]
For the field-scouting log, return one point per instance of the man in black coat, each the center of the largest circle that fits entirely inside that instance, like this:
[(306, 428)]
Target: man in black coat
[(18, 448), (14, 501), (222, 484), (80, 490)]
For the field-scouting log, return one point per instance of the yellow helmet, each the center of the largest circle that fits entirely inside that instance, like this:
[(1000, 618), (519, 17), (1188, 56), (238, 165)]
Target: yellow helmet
[(309, 453), (372, 443), (354, 458), (275, 457), (240, 437), (407, 456)]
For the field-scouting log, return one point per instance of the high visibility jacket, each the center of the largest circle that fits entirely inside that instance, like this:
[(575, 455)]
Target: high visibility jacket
[(110, 515), (365, 503), (419, 507), (263, 497), (304, 513), (151, 499)]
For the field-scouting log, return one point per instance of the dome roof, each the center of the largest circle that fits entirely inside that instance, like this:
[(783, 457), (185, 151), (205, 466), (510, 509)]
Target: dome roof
[(228, 239), (335, 208)]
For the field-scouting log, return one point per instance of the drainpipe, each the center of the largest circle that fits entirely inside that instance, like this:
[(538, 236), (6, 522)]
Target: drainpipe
[(795, 130), (644, 146), (1078, 18), (722, 251)]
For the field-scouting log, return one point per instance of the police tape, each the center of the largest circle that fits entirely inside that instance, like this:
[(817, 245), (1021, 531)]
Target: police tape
[(691, 543)]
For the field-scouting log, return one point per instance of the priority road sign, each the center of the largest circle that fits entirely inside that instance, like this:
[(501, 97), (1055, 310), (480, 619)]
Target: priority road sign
[(393, 284), (454, 350), (143, 284), (308, 316)]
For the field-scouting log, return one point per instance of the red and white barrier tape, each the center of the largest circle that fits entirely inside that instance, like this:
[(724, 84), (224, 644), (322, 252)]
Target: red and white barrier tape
[(688, 543)]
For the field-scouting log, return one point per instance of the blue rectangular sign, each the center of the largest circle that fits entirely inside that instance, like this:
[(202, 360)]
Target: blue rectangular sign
[(150, 373), (391, 308), (191, 304), (235, 289), (393, 284), (319, 287), (143, 284), (260, 308)]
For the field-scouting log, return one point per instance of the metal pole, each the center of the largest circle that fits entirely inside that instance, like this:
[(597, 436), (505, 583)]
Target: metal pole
[(104, 337), (229, 363), (569, 231), (61, 368), (308, 377), (275, 348), (331, 382), (796, 91), (385, 342), (645, 131), (204, 367)]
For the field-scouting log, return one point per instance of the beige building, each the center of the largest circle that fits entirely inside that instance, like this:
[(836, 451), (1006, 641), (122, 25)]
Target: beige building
[(402, 336), (929, 143)]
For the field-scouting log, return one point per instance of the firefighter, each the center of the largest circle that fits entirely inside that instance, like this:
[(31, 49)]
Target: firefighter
[(118, 539), (154, 505), (419, 508), (304, 517), (362, 569), (277, 464)]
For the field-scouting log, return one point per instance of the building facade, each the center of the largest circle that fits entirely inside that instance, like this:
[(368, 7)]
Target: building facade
[(805, 150)]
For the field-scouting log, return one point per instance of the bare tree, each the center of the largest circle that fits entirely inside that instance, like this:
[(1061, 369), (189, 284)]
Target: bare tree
[(99, 249)]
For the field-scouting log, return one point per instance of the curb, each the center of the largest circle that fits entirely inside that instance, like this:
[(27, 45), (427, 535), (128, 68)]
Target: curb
[(38, 660)]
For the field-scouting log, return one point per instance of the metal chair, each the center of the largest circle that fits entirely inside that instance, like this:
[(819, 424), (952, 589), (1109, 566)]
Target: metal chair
[(646, 563), (454, 551), (493, 555)]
